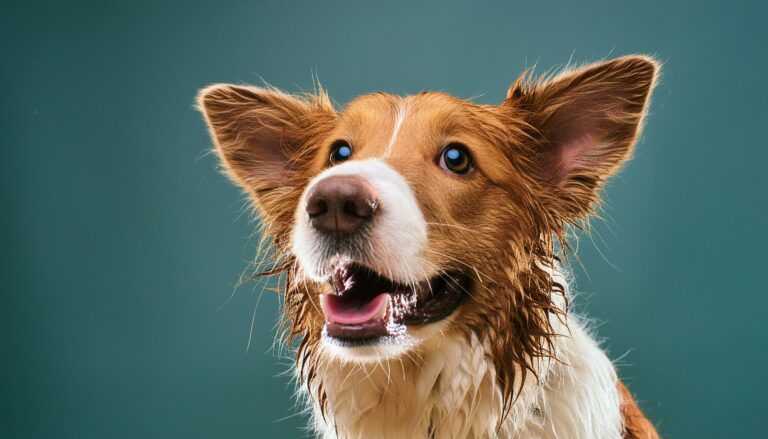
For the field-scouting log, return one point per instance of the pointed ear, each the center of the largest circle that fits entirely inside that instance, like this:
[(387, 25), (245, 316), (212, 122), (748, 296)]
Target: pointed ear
[(586, 122), (260, 132)]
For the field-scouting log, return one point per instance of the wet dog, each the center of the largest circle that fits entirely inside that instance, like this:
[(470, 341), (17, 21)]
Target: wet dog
[(419, 239)]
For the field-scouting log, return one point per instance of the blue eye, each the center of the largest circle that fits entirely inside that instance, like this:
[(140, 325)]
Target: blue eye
[(341, 152), (455, 158)]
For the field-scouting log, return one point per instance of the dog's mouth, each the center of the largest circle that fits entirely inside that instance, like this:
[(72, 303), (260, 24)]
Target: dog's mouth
[(366, 305)]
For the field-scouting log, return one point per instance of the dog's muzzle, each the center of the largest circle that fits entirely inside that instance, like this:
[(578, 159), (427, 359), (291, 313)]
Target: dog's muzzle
[(359, 227)]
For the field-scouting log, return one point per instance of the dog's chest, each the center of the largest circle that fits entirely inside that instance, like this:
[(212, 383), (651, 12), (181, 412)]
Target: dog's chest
[(452, 393)]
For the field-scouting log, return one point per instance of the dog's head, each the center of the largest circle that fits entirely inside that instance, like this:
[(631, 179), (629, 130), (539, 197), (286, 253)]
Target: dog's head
[(399, 220)]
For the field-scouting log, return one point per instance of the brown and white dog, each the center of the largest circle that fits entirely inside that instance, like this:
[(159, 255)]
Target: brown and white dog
[(418, 240)]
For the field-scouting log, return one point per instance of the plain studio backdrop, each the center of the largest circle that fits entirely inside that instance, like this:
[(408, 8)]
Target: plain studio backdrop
[(122, 242)]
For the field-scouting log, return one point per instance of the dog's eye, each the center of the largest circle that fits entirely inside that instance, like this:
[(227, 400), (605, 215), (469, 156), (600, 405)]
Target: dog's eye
[(340, 152), (455, 158)]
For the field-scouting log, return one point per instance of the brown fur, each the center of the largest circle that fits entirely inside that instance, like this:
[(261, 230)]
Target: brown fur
[(537, 173), (636, 425)]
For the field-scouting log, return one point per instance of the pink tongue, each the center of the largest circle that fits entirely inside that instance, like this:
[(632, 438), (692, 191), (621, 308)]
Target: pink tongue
[(337, 310)]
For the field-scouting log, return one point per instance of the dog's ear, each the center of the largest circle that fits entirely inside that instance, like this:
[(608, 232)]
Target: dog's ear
[(586, 122), (259, 134)]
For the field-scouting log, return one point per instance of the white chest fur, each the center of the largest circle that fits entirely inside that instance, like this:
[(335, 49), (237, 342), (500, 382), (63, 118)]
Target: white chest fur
[(451, 392)]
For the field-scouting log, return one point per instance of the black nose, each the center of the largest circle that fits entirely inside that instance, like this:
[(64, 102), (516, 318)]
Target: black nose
[(339, 205)]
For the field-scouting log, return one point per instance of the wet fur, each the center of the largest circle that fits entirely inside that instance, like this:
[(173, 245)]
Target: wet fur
[(513, 332)]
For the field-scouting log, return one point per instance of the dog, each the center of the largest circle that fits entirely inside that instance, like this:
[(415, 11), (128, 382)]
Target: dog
[(420, 243)]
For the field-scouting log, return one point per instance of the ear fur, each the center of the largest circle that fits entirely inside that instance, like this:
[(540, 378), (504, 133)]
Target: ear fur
[(586, 122), (262, 135)]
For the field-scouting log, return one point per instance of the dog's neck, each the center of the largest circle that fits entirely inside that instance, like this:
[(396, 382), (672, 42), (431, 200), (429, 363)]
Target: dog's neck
[(451, 391)]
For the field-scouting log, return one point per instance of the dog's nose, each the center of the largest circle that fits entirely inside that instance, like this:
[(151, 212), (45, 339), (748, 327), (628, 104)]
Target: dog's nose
[(339, 205)]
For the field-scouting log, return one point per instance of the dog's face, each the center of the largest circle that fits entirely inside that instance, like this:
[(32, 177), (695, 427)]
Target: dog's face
[(404, 219), (400, 215)]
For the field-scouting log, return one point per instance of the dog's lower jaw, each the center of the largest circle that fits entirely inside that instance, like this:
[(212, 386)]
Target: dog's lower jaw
[(451, 391)]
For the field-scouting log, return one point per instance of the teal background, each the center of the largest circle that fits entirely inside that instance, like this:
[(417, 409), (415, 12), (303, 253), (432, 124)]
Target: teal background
[(121, 241)]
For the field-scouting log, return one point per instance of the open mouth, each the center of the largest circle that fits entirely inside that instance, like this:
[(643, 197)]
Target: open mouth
[(367, 305)]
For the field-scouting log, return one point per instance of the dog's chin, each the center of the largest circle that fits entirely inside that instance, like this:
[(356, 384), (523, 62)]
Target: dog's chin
[(385, 348), (369, 317)]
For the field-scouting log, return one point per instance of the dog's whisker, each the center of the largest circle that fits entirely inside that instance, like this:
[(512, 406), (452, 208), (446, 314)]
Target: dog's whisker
[(455, 226), (454, 259)]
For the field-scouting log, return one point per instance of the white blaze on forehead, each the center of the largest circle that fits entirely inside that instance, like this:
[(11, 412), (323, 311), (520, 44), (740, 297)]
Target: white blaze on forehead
[(402, 113), (398, 236)]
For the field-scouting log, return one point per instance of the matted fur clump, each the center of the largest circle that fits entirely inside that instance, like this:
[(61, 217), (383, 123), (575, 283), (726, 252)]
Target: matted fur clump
[(538, 163)]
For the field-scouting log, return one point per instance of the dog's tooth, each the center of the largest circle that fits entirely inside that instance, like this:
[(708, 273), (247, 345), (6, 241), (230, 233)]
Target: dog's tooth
[(382, 314), (338, 282)]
